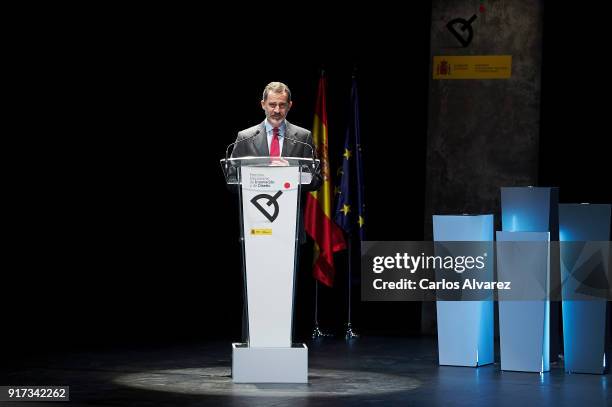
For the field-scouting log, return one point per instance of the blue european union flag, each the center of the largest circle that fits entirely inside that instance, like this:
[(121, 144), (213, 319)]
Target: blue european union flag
[(350, 205)]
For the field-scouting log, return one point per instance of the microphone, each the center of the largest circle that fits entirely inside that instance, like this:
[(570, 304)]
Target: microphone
[(236, 142), (313, 153)]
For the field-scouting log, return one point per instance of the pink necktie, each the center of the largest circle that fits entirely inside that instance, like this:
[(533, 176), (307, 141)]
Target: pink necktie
[(275, 146)]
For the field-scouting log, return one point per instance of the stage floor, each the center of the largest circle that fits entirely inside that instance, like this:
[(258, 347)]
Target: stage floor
[(369, 371)]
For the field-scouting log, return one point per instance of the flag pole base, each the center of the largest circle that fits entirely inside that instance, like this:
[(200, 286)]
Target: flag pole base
[(350, 334), (317, 333)]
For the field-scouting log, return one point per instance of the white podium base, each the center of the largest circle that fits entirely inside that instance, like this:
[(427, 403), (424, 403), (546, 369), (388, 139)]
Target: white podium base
[(269, 365)]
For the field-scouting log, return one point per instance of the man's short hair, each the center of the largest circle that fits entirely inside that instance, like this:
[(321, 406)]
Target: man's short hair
[(277, 87)]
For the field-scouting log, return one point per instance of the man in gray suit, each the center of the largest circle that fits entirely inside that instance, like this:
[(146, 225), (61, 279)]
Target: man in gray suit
[(275, 136)]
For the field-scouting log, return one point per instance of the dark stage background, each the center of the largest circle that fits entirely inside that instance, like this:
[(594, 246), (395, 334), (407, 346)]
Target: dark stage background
[(124, 231)]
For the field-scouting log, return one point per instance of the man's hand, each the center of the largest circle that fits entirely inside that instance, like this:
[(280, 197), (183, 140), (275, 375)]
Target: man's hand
[(279, 162)]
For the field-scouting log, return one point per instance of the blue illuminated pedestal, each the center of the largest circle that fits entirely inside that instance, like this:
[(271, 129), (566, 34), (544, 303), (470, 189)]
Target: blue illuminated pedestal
[(530, 209), (584, 321), (524, 323), (465, 328), (528, 214)]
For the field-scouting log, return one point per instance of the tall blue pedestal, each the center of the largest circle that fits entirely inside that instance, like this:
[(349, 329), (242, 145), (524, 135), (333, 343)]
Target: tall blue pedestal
[(584, 321), (528, 214), (524, 323), (465, 328)]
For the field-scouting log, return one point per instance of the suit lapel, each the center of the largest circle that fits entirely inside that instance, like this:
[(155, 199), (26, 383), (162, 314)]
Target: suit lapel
[(288, 145), (261, 142)]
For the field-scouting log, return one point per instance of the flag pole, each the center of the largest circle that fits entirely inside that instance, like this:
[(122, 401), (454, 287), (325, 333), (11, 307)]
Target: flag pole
[(316, 331), (318, 222), (350, 334)]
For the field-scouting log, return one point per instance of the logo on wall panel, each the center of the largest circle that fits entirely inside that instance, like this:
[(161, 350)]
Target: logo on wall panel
[(272, 201), (464, 25)]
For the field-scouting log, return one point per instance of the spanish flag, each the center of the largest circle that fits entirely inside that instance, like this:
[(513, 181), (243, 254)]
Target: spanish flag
[(327, 236)]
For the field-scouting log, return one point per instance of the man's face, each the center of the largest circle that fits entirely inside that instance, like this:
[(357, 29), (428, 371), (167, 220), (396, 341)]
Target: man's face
[(276, 107)]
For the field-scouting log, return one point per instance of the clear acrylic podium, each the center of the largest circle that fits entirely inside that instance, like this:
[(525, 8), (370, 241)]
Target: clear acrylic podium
[(269, 203)]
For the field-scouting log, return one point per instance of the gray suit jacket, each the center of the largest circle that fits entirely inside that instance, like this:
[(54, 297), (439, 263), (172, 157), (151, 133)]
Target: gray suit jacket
[(257, 146)]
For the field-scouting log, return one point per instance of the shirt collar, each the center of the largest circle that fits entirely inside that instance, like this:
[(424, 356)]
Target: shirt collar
[(281, 129)]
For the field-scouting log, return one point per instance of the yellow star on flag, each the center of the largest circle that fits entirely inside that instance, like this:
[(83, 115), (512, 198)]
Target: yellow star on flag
[(347, 153), (346, 209)]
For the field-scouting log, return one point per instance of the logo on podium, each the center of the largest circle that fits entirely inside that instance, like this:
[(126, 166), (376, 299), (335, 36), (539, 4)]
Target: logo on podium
[(272, 201)]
